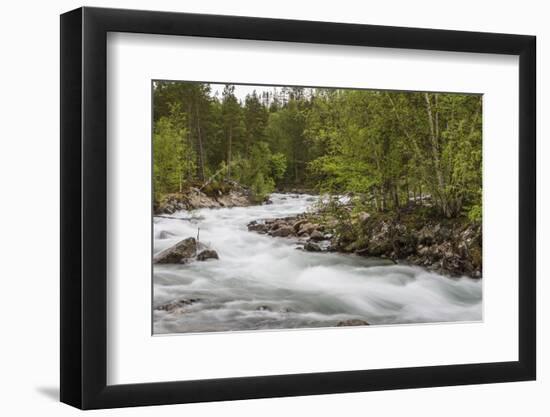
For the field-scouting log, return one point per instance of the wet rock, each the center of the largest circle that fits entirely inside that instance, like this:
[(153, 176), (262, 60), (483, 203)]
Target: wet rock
[(207, 254), (362, 251), (306, 229), (181, 252), (316, 235), (379, 247), (256, 226), (233, 195), (352, 322), (282, 231), (233, 199), (426, 236), (275, 225), (325, 245), (178, 305), (312, 247), (197, 199), (449, 246), (423, 250), (297, 225)]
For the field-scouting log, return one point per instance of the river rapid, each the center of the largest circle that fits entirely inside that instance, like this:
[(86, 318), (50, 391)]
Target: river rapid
[(262, 282)]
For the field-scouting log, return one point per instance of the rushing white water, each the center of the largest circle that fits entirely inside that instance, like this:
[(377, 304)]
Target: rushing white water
[(261, 282)]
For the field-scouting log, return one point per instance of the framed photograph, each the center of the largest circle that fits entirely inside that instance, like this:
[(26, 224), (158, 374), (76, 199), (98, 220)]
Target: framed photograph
[(259, 208)]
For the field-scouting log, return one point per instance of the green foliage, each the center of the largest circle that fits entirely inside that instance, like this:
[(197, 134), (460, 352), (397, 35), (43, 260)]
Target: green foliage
[(391, 149), (394, 146), (475, 214), (278, 165), (261, 187), (332, 210), (173, 157), (259, 170), (216, 188)]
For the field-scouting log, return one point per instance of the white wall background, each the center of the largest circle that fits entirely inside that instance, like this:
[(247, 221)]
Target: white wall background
[(29, 219)]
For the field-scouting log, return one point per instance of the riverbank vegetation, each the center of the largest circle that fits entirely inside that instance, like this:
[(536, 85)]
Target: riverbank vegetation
[(416, 235), (390, 148)]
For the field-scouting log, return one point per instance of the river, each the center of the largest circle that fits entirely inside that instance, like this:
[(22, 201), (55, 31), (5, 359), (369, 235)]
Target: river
[(262, 282)]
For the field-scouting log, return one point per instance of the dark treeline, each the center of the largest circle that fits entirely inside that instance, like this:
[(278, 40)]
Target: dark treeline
[(390, 148)]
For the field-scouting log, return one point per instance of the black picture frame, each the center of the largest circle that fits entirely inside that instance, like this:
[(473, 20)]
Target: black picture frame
[(84, 207)]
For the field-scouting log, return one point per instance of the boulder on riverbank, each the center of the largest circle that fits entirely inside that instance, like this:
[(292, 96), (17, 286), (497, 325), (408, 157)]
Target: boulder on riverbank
[(226, 194), (185, 251), (449, 246)]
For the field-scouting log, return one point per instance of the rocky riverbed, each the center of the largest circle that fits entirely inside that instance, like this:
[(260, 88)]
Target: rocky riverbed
[(226, 194), (261, 281), (452, 247)]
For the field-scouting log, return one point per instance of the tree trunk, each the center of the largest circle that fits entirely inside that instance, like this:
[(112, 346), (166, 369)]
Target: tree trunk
[(375, 196), (229, 152), (401, 124), (434, 141), (189, 142), (295, 153), (395, 197), (201, 173)]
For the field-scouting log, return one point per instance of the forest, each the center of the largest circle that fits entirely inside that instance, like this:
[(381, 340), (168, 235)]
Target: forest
[(391, 148)]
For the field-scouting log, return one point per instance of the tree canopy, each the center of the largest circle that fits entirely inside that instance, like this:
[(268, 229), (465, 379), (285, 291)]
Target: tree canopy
[(390, 148)]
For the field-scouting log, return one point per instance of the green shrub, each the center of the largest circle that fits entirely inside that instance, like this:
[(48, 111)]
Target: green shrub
[(475, 214), (261, 187)]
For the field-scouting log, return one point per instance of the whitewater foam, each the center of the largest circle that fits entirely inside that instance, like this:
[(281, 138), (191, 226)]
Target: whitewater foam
[(261, 282)]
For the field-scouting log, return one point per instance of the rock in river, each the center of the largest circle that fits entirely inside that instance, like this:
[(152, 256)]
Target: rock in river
[(312, 247), (181, 252), (185, 251), (207, 254), (352, 322), (306, 229), (258, 226), (297, 225), (177, 306), (282, 231), (316, 235)]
